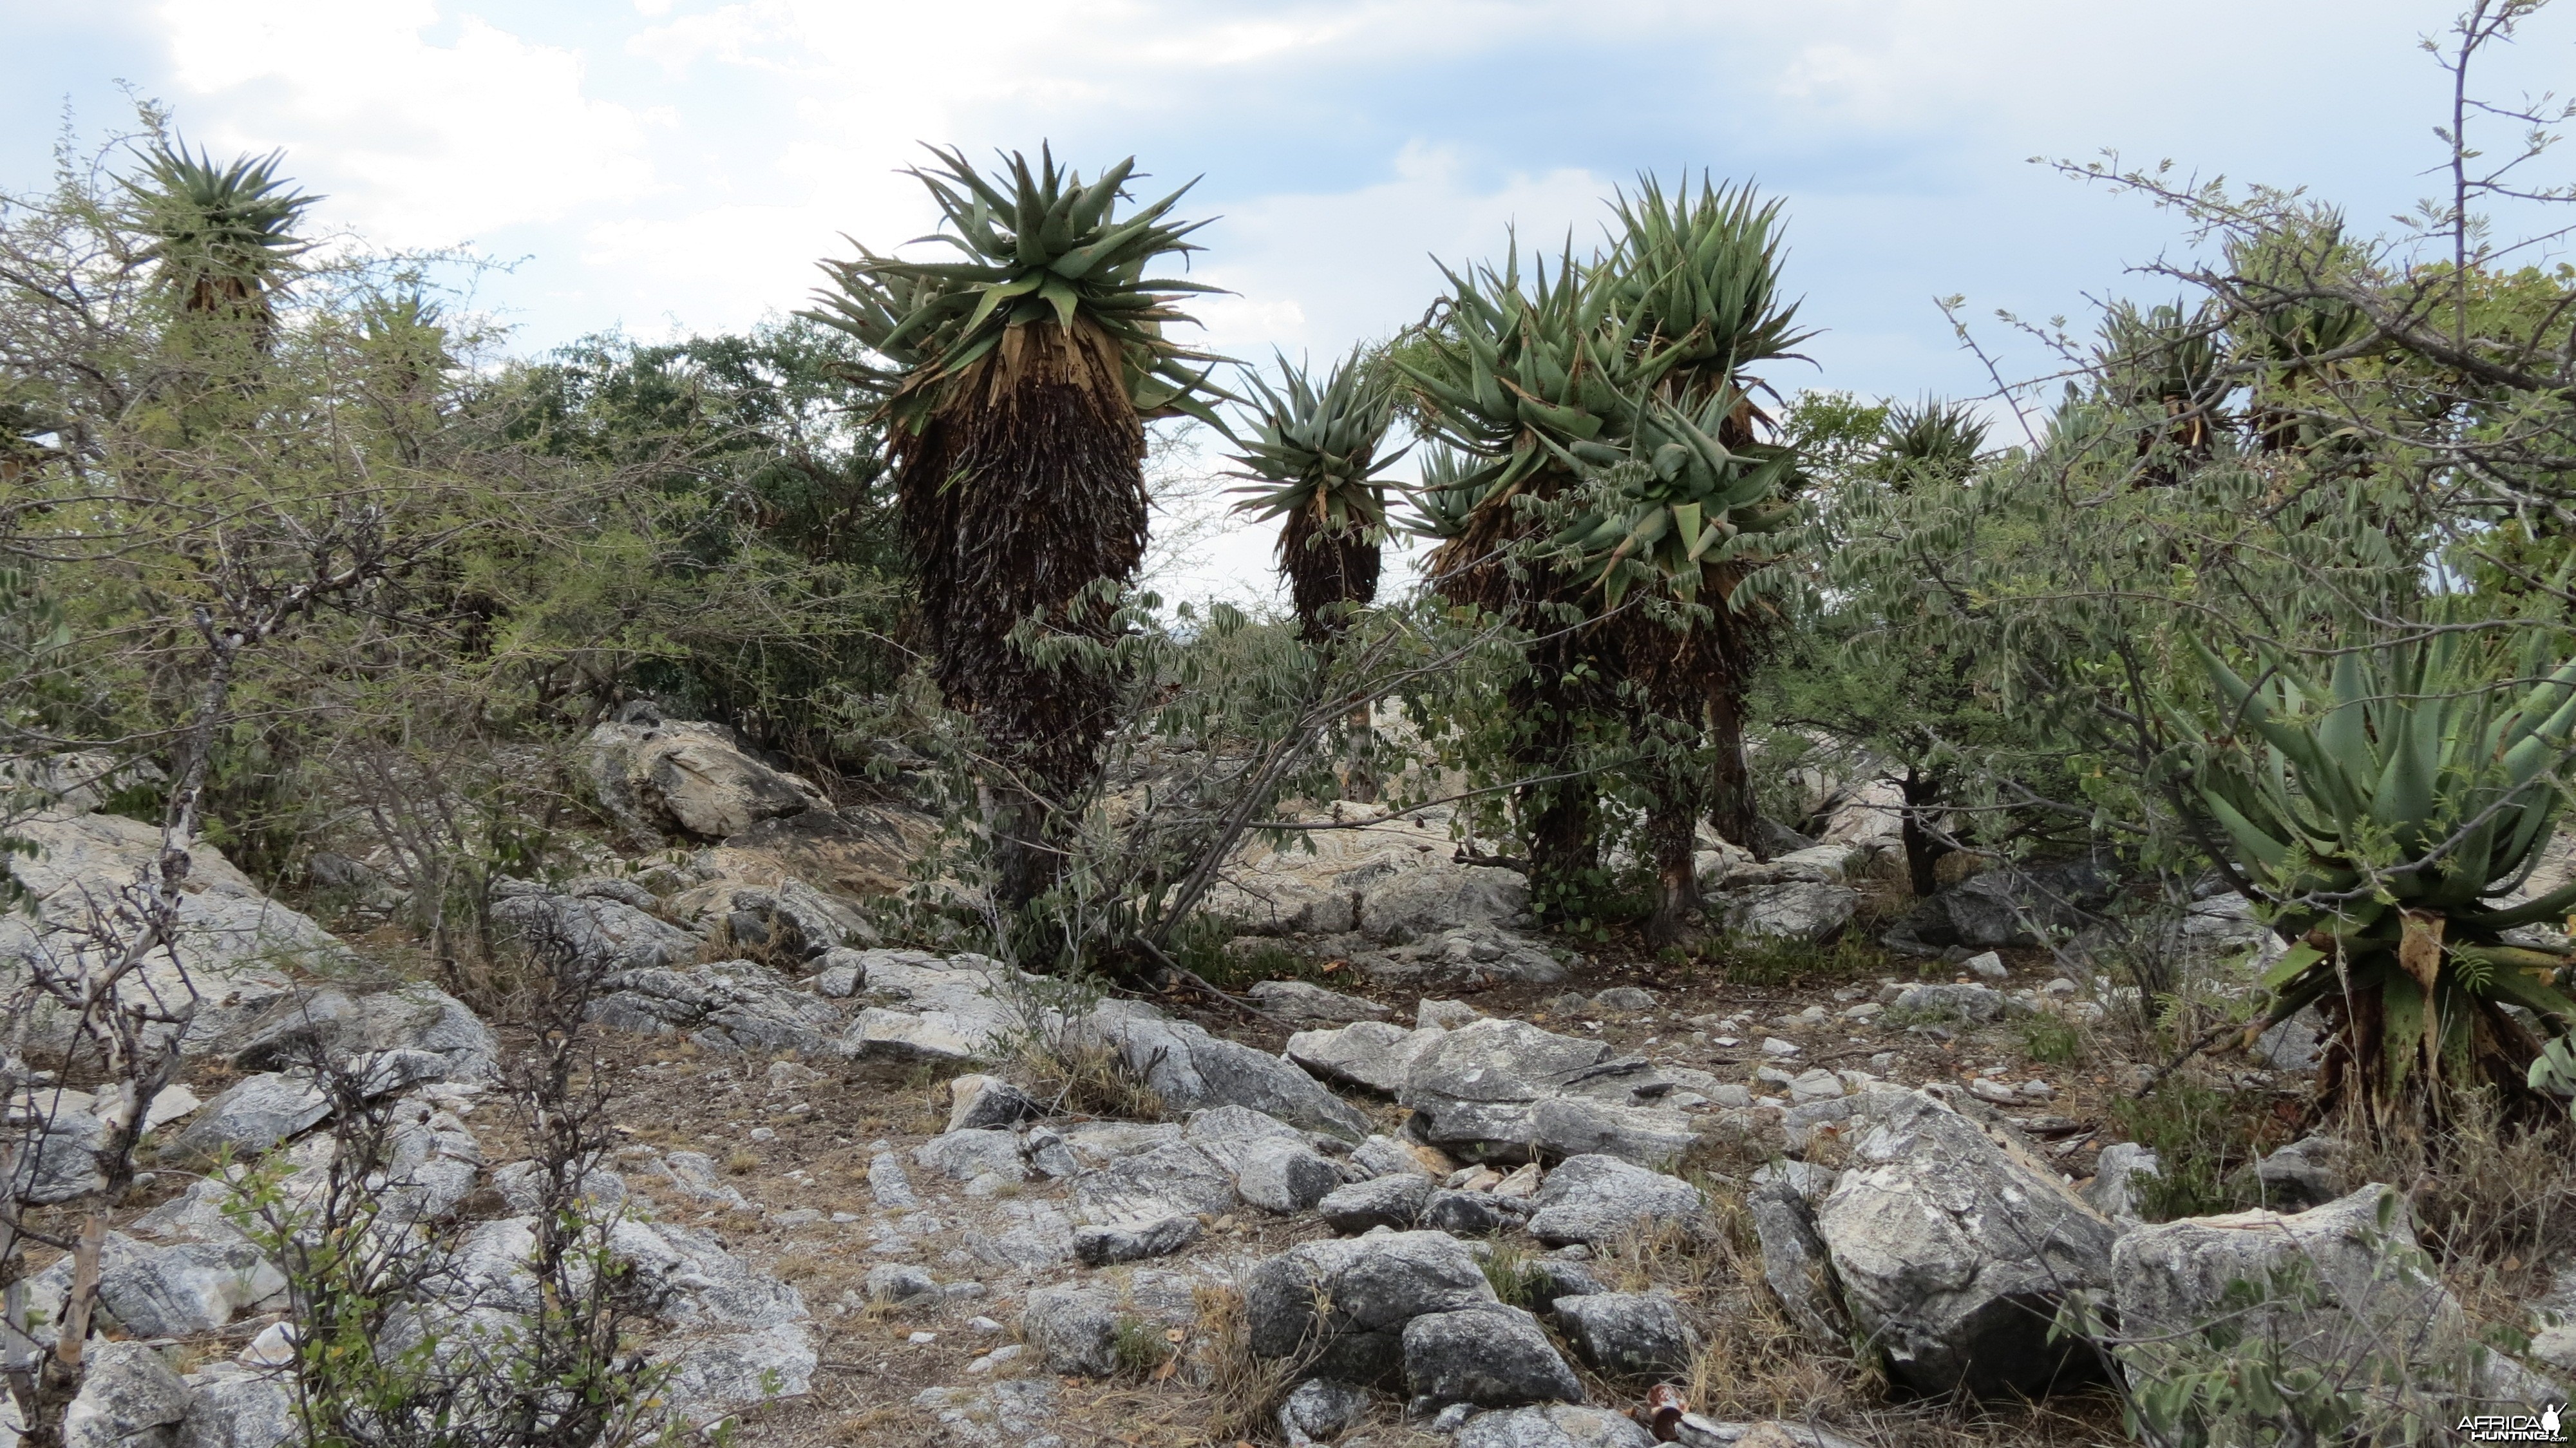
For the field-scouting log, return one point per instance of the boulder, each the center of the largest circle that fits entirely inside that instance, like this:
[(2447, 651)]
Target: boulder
[(863, 852), (1133, 1239), (1372, 1054), (1558, 1425), (64, 1164), (730, 1006), (182, 1290), (2005, 907), (1792, 909), (236, 945), (1490, 1355), (1412, 904), (925, 1007), (899, 1282), (1473, 1214), (1794, 1263), (1284, 1177), (1941, 1000), (1370, 1287), (1297, 1000), (1190, 1068), (2330, 1285), (966, 1155), (1954, 1247), (238, 1407), (129, 1398), (656, 777), (1505, 1090), (329, 1023), (1596, 1198), (1074, 1329), (1016, 1411), (1312, 884), (256, 1113), (1395, 1200), (2114, 1191), (1475, 955), (2300, 1175), (1231, 1135), (604, 933), (1628, 1334), (1321, 1408)]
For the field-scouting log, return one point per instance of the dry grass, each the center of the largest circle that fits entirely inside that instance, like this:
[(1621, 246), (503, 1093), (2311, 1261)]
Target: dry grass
[(1088, 1078), (2494, 1202), (1244, 1391)]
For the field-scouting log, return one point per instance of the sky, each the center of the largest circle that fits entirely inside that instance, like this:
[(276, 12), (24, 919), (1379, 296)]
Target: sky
[(672, 166)]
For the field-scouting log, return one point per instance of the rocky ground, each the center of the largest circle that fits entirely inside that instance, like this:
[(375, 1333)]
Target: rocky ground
[(1434, 1177)]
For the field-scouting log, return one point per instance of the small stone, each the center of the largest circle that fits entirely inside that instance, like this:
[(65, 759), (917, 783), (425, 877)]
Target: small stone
[(983, 1324), (896, 1282), (1774, 1046), (1985, 966), (976, 1102), (763, 1134), (273, 1348), (1394, 1201), (1445, 1015)]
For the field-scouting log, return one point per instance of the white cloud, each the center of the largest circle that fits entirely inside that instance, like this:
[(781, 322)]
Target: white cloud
[(419, 143)]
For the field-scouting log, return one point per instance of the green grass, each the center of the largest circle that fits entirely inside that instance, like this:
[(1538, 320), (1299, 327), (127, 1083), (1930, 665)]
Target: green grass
[(1513, 1273), (1139, 1345), (1771, 960), (2206, 1141), (1200, 947), (2052, 1039)]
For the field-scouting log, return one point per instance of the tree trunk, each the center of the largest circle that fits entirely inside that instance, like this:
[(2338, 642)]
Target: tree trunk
[(1923, 851), (1672, 833), (1561, 817), (1731, 809), (1359, 781)]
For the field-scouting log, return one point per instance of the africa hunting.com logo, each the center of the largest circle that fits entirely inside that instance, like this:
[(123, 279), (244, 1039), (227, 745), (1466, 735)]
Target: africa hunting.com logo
[(2515, 1427)]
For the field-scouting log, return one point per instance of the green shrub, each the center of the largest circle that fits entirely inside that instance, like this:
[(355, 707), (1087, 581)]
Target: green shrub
[(2053, 1039), (2204, 1140), (1140, 1346), (1776, 960)]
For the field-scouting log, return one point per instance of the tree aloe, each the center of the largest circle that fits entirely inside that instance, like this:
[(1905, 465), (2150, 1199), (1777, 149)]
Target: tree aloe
[(1015, 386), (2385, 812)]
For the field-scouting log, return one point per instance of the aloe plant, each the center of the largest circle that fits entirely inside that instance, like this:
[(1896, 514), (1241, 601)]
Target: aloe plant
[(1015, 384), (2385, 812), (1314, 459)]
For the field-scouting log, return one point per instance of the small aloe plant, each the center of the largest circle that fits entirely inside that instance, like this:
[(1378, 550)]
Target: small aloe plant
[(2385, 814)]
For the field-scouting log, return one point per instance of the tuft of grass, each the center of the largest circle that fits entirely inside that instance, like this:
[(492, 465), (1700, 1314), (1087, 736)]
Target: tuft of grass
[(1090, 1078), (2205, 1140), (2053, 1039), (1139, 1345), (2494, 1199), (1512, 1271), (1244, 1391), (742, 1161), (1772, 961)]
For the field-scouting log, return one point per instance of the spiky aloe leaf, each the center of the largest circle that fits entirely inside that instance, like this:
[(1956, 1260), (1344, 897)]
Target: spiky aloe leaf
[(1041, 246)]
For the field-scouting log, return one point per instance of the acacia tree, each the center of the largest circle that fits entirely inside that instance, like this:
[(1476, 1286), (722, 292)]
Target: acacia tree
[(1015, 388)]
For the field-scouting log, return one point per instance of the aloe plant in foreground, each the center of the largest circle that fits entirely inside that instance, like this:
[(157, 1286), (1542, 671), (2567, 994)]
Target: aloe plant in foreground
[(2386, 812)]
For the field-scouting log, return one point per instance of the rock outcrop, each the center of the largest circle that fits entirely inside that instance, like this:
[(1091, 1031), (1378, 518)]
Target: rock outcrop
[(1954, 1248)]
